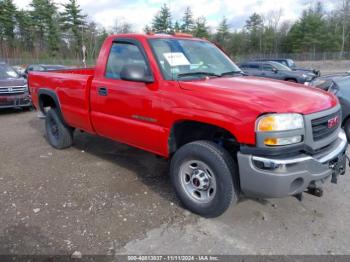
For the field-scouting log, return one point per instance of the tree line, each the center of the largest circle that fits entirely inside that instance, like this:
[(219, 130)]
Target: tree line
[(50, 31)]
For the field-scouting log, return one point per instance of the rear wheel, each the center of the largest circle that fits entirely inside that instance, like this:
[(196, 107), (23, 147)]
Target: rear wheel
[(58, 134), (202, 174)]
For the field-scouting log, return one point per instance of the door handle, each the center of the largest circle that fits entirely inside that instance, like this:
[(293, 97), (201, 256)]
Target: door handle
[(103, 91)]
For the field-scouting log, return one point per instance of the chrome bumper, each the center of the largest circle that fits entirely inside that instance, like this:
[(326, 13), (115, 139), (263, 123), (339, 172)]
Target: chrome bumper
[(321, 159), (276, 177)]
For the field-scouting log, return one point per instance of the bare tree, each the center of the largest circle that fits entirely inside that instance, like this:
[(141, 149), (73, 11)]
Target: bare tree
[(122, 27)]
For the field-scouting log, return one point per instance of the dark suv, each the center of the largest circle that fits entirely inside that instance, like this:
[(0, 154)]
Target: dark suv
[(13, 88), (338, 84), (276, 71), (291, 64)]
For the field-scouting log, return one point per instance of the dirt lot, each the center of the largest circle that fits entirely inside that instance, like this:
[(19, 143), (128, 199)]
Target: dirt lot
[(100, 197)]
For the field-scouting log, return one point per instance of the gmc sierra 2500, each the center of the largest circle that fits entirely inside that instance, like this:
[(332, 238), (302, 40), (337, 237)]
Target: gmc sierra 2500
[(227, 134)]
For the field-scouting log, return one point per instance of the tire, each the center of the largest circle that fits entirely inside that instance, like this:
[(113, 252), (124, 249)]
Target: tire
[(347, 129), (214, 162), (58, 134), (292, 80)]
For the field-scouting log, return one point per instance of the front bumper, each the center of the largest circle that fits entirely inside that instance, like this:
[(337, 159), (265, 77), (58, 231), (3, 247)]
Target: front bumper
[(12, 101), (281, 177)]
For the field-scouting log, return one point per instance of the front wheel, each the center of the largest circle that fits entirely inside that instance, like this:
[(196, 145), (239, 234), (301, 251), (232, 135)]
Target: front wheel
[(202, 174), (58, 134)]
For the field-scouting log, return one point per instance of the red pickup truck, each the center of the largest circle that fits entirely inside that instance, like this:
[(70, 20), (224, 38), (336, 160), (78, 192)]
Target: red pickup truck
[(227, 134)]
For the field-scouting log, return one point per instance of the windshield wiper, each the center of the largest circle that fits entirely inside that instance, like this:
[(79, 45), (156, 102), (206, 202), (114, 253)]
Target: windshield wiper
[(198, 73), (232, 73)]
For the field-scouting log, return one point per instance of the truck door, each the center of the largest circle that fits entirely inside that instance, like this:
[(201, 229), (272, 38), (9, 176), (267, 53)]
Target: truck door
[(127, 111), (270, 71)]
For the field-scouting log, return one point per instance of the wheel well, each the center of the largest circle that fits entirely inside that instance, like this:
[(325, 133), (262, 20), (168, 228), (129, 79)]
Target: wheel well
[(46, 101), (345, 120), (188, 131), (290, 78)]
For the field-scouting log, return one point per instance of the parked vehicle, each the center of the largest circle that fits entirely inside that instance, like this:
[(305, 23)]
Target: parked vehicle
[(43, 68), (339, 85), (291, 64), (276, 71), (13, 88), (19, 69), (227, 134)]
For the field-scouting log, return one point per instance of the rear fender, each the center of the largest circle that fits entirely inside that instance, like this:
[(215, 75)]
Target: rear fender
[(53, 95)]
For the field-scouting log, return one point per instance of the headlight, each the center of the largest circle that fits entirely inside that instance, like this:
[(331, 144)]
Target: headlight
[(280, 122), (271, 126)]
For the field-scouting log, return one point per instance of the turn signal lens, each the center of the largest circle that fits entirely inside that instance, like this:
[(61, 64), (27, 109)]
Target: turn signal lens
[(273, 141)]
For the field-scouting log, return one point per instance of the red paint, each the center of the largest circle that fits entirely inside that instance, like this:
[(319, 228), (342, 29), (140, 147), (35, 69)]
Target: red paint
[(232, 103)]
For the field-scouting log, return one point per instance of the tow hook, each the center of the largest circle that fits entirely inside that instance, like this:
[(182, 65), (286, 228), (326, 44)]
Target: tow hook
[(315, 191)]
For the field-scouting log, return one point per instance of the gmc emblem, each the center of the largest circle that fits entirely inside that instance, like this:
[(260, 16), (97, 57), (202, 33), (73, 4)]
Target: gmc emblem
[(333, 122)]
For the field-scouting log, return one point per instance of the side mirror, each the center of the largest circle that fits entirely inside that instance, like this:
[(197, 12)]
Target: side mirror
[(275, 70), (136, 73)]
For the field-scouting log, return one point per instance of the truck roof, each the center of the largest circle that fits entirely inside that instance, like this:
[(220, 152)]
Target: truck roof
[(157, 36)]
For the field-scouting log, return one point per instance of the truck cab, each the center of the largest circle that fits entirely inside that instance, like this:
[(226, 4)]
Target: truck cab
[(226, 135)]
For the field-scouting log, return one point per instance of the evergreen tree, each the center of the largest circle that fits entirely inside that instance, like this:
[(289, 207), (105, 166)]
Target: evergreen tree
[(223, 34), (73, 22), (7, 22), (25, 30), (201, 28), (162, 20), (177, 27), (45, 25), (309, 33), (187, 20), (255, 26)]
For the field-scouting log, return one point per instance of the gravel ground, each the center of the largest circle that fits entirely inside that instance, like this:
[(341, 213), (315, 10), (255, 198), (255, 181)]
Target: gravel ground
[(101, 197), (326, 66)]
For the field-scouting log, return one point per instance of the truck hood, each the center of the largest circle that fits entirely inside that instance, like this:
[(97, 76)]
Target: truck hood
[(265, 96), (7, 82)]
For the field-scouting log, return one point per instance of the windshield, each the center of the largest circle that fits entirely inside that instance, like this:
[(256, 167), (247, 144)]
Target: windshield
[(344, 82), (279, 66), (7, 72), (291, 63), (183, 59)]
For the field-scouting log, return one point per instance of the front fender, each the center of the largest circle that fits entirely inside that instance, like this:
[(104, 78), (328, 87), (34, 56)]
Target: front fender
[(243, 131)]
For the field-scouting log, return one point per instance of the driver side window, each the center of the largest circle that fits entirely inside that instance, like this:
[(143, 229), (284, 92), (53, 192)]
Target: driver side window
[(267, 67), (121, 55)]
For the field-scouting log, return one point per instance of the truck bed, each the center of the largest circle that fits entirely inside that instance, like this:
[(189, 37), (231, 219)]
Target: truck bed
[(72, 88)]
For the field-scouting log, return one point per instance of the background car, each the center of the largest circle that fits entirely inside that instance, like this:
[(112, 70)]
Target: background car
[(43, 68), (338, 84), (291, 64), (276, 71), (13, 88)]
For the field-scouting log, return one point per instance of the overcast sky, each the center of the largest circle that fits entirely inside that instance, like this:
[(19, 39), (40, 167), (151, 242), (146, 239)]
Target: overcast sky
[(140, 12)]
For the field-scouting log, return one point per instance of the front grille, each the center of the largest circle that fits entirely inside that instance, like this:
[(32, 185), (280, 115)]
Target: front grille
[(320, 128), (12, 90)]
